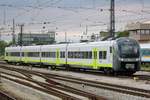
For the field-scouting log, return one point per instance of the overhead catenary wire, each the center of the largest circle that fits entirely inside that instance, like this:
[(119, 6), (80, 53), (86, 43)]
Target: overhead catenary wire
[(41, 6)]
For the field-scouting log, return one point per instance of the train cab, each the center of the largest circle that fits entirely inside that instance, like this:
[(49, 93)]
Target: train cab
[(127, 56)]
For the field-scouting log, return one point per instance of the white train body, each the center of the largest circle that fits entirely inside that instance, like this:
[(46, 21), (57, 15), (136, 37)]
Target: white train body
[(117, 55), (145, 52)]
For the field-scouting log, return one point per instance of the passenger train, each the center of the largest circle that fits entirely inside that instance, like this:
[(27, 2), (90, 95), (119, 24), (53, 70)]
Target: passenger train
[(120, 55), (145, 53)]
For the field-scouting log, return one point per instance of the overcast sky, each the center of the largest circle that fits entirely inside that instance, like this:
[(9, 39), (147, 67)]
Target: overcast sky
[(71, 16)]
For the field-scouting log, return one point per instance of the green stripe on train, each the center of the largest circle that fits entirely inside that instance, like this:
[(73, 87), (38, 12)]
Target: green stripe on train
[(98, 65), (57, 56), (95, 58), (9, 58)]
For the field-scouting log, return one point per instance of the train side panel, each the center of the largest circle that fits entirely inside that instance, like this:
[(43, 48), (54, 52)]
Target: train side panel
[(12, 54), (145, 53), (31, 54), (87, 55), (53, 54)]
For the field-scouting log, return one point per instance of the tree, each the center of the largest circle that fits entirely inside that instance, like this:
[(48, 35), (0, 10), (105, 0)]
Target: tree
[(123, 34), (3, 44)]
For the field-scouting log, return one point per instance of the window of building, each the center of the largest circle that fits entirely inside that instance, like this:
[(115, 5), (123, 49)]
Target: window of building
[(147, 32), (138, 32), (142, 32)]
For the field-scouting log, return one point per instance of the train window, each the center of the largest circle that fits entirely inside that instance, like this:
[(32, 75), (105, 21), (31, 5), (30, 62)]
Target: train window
[(68, 54), (73, 54), (100, 55), (22, 54), (84, 55), (17, 54), (62, 54), (104, 54), (6, 53), (90, 55), (42, 54), (110, 49), (53, 54), (45, 54), (81, 54), (33, 54)]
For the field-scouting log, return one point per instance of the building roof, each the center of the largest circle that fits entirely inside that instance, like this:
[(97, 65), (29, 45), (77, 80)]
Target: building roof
[(138, 25)]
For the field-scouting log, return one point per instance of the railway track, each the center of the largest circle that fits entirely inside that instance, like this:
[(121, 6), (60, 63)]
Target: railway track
[(117, 88), (5, 96), (51, 87), (113, 87)]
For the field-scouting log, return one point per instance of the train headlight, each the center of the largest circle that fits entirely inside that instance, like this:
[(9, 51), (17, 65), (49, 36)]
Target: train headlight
[(137, 59), (121, 59)]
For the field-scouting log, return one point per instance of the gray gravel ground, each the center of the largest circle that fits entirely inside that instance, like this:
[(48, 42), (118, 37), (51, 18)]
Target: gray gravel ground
[(109, 94), (25, 92)]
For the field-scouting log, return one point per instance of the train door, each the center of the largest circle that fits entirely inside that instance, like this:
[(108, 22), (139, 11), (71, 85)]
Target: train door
[(57, 56), (95, 58)]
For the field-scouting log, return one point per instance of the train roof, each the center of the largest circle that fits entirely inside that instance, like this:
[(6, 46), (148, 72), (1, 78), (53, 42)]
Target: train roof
[(13, 49), (102, 43)]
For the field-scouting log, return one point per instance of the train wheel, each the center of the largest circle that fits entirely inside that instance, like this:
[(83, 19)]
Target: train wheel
[(67, 67), (108, 71), (53, 67)]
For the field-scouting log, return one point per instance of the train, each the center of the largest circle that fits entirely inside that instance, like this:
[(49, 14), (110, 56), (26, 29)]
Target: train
[(145, 53), (114, 56)]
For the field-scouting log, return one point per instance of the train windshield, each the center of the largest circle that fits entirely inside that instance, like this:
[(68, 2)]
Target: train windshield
[(128, 49)]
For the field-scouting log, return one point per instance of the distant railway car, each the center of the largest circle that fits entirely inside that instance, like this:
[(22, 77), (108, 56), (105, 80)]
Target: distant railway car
[(121, 55), (145, 53)]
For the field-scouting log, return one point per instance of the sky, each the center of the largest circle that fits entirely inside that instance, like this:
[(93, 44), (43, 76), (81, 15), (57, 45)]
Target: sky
[(71, 16)]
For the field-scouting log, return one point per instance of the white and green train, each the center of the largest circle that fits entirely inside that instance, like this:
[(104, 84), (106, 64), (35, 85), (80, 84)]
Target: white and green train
[(121, 55)]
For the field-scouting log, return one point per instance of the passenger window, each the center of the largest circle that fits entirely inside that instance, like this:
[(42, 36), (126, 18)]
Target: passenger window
[(100, 55), (89, 55), (110, 49), (104, 54)]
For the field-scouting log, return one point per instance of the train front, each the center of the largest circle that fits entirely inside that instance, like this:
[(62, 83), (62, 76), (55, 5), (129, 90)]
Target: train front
[(127, 56)]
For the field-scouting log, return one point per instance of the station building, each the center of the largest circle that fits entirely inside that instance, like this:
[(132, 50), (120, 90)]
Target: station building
[(36, 38), (139, 31)]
